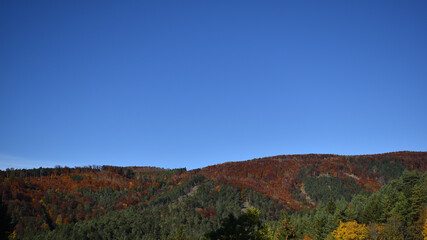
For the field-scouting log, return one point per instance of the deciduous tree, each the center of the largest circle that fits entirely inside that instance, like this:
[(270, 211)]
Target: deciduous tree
[(351, 231)]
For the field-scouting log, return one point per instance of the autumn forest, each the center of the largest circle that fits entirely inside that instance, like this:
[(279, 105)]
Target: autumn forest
[(314, 196)]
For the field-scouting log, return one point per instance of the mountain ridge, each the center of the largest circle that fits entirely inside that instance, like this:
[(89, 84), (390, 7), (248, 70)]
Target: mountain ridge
[(44, 199)]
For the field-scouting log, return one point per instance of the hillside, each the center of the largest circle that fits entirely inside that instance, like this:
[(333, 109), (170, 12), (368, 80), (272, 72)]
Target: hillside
[(281, 177), (49, 202)]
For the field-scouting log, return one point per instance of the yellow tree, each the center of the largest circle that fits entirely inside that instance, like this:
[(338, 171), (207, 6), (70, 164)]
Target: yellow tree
[(351, 231), (425, 229)]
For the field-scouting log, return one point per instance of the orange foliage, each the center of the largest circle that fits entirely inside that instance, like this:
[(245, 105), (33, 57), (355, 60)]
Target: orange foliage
[(51, 193), (278, 176)]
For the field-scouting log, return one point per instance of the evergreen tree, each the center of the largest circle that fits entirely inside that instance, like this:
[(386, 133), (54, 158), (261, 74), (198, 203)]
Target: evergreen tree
[(246, 226), (330, 206), (286, 229), (372, 211), (6, 226), (393, 228)]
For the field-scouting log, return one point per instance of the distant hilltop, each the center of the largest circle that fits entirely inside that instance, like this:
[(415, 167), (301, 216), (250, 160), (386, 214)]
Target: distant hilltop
[(60, 199)]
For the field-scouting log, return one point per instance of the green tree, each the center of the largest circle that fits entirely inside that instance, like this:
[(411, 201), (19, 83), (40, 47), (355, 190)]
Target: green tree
[(286, 229), (323, 223), (393, 228), (330, 206), (418, 201), (6, 226), (246, 226), (180, 234), (373, 210)]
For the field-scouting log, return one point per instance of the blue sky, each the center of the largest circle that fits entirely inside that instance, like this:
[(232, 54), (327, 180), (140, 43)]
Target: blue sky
[(195, 83)]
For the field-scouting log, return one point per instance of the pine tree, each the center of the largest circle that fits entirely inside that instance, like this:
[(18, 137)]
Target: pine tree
[(5, 221), (246, 226), (287, 229), (402, 209), (330, 206)]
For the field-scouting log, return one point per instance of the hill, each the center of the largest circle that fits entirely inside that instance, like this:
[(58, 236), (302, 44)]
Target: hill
[(157, 203), (286, 176)]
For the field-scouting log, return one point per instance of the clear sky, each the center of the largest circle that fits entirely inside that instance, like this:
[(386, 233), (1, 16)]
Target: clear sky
[(195, 83)]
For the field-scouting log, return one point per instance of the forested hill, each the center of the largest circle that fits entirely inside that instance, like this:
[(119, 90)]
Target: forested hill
[(155, 203), (280, 177)]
